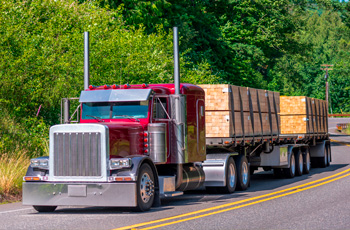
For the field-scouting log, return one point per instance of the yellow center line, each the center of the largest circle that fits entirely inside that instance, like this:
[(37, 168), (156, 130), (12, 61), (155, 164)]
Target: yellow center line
[(341, 142), (230, 204), (245, 205)]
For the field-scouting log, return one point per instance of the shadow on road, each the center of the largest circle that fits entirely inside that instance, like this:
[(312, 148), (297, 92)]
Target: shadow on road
[(261, 181)]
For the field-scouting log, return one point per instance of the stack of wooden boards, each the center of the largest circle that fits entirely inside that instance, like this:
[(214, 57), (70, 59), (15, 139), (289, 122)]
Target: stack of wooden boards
[(233, 111), (303, 115)]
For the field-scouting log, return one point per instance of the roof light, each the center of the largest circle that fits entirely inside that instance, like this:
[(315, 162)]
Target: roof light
[(126, 86), (106, 86), (144, 85), (91, 87), (115, 86)]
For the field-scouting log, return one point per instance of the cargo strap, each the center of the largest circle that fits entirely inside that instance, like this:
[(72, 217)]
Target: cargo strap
[(242, 114), (232, 110), (276, 112), (251, 111), (270, 115), (261, 123)]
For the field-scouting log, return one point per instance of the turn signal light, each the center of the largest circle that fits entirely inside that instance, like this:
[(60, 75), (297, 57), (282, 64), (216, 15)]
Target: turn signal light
[(29, 178)]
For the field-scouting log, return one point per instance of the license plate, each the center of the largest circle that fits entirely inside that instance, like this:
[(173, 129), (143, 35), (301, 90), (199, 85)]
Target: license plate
[(77, 190)]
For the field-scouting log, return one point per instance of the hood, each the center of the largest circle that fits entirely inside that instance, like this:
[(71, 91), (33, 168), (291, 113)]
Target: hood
[(125, 139)]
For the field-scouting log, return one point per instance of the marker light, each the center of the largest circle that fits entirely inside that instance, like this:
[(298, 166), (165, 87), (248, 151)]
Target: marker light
[(106, 86), (144, 85), (126, 86), (91, 87), (114, 86)]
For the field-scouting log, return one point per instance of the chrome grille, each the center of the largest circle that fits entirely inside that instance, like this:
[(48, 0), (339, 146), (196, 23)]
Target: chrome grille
[(77, 154)]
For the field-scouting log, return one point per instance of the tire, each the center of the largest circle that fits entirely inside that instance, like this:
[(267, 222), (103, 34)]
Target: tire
[(329, 155), (243, 175), (44, 208), (299, 163), (307, 161), (323, 161), (231, 177), (290, 172), (145, 188)]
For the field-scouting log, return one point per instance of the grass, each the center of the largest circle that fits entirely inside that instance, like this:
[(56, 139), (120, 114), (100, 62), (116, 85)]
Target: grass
[(12, 169)]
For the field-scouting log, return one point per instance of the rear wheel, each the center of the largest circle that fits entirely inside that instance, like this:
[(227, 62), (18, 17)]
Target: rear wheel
[(231, 177), (145, 188), (323, 161), (243, 175), (299, 163), (307, 161), (328, 155), (290, 172), (44, 208)]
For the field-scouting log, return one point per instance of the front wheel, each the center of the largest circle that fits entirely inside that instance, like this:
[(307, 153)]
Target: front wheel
[(145, 188), (44, 208)]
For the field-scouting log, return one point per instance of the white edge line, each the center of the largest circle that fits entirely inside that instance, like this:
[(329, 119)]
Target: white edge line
[(17, 210)]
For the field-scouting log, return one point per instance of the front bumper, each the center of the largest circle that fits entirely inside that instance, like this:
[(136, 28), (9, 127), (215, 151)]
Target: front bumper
[(80, 194)]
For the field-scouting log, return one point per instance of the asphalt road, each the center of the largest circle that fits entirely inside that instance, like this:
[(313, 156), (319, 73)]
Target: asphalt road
[(319, 200)]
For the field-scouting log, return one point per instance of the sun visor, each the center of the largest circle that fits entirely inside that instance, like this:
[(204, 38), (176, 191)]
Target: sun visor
[(115, 95)]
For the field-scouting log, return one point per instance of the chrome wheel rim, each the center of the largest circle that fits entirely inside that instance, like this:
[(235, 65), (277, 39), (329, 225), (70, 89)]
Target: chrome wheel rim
[(244, 173), (292, 163), (146, 188), (232, 175), (301, 162)]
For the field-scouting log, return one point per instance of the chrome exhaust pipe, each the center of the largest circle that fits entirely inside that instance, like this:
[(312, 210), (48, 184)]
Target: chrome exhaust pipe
[(86, 61)]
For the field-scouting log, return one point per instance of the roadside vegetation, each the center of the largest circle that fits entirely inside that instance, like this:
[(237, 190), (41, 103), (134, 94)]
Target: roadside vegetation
[(270, 44)]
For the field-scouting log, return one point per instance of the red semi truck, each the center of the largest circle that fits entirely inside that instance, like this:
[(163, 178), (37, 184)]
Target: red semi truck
[(138, 143)]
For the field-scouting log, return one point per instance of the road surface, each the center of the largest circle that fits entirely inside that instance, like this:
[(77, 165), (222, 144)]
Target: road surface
[(319, 200)]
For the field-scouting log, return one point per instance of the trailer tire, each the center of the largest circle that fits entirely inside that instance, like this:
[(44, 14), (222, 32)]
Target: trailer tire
[(44, 208), (145, 188), (299, 163), (329, 157), (243, 175), (231, 177), (323, 161), (307, 161), (290, 172)]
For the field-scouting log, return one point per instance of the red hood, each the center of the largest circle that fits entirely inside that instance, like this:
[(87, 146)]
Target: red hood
[(125, 138)]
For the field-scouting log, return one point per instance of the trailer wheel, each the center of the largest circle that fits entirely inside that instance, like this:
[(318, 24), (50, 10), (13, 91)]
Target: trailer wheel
[(243, 175), (231, 177), (145, 188), (307, 161), (328, 155), (44, 208), (299, 163), (290, 172), (323, 161)]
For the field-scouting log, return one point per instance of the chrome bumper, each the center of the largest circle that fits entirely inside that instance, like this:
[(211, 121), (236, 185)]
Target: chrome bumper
[(80, 194)]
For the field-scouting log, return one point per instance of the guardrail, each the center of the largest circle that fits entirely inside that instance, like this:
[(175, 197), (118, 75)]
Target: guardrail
[(338, 115)]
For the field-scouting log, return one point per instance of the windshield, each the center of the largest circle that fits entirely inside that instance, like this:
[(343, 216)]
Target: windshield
[(115, 110)]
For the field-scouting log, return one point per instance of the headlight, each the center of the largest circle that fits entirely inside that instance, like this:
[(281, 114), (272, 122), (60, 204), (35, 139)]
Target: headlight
[(118, 163), (39, 163)]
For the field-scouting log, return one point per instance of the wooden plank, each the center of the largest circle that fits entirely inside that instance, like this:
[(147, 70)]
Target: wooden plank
[(292, 105), (293, 124)]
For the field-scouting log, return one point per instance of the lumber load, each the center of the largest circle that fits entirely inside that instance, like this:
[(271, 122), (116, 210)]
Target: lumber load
[(234, 111), (303, 115)]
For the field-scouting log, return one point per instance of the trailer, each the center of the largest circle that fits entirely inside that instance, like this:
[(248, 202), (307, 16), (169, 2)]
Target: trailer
[(136, 144)]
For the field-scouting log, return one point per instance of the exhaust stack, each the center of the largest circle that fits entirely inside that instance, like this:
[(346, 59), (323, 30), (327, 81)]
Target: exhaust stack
[(86, 61), (176, 60)]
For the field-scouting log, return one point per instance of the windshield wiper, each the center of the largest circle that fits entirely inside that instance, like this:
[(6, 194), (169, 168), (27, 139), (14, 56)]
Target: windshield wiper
[(127, 116), (97, 118)]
